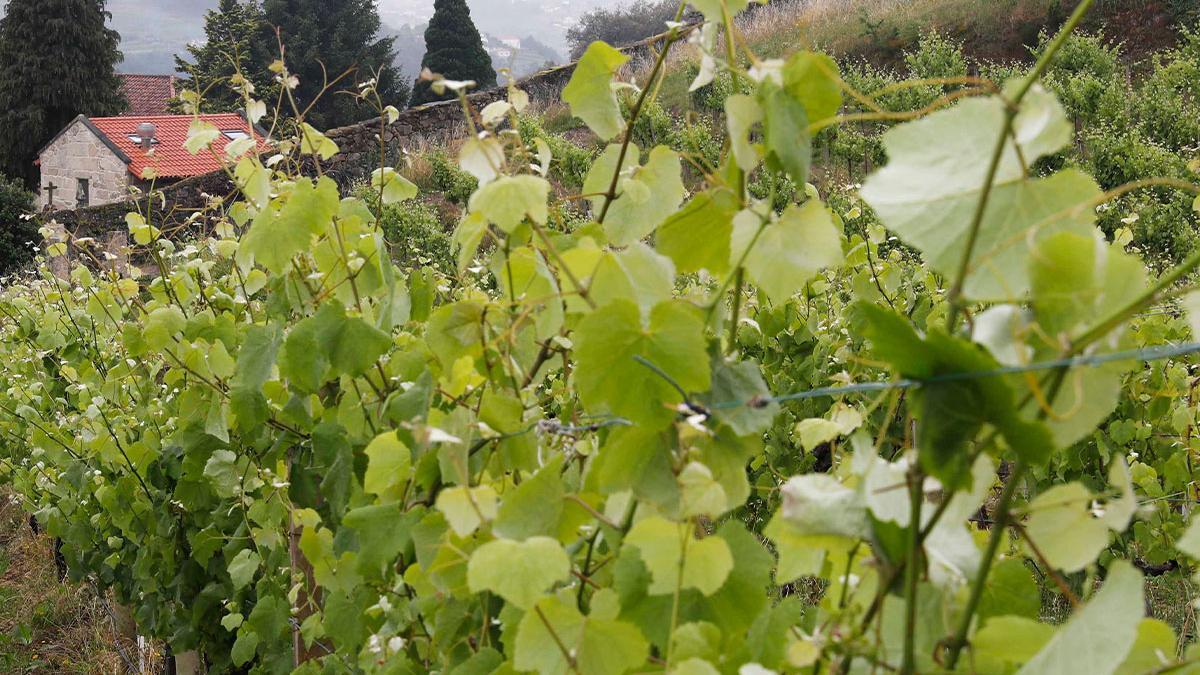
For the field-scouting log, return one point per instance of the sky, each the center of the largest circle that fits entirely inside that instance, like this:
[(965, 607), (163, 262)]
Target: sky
[(154, 30)]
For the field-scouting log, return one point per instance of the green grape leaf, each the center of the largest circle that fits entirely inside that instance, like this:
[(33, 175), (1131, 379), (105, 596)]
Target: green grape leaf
[(590, 93), (1153, 650), (951, 411), (519, 572), (816, 431), (383, 533), (507, 202), (389, 465), (1099, 636), (700, 493), (813, 79), (163, 326), (313, 142), (329, 342), (783, 255), (738, 397), (467, 238), (646, 195), (714, 10), (695, 666), (280, 231), (662, 543), (609, 379), (535, 507), (785, 131), (1062, 526), (635, 273), (466, 509), (391, 186), (1005, 642), (698, 236), (599, 646), (243, 567), (1077, 279), (1010, 589), (929, 191), (742, 116)]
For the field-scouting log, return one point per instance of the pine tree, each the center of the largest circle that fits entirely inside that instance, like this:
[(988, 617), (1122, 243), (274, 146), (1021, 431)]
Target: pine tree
[(454, 50), (326, 38), (232, 30), (57, 61)]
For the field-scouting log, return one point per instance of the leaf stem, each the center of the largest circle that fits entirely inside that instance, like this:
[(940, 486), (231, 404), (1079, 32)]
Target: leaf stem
[(913, 568), (671, 37), (739, 280), (1002, 516)]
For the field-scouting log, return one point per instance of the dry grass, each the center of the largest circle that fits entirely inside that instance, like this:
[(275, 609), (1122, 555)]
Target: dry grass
[(47, 626)]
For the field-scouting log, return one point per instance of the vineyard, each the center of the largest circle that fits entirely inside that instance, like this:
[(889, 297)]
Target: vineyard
[(677, 407)]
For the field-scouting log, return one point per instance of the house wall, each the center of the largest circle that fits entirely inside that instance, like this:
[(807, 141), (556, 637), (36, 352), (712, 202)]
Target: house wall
[(79, 153)]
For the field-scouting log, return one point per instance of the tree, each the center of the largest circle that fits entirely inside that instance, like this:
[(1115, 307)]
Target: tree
[(231, 30), (325, 39), (620, 25), (57, 61), (18, 234), (454, 50)]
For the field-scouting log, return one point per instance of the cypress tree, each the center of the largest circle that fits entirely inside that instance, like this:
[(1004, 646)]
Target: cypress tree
[(231, 30), (326, 38), (57, 60), (454, 50)]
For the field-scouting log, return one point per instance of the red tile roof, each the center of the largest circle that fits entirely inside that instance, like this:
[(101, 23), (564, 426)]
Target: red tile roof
[(148, 94), (168, 157)]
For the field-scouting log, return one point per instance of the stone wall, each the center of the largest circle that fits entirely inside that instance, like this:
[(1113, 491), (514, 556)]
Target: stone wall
[(79, 153)]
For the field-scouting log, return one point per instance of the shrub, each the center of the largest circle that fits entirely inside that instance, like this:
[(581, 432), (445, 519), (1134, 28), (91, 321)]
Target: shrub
[(17, 231), (452, 182), (417, 237)]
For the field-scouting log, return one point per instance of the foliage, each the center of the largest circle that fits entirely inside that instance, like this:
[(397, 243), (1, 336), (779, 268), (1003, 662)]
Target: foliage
[(450, 181), (231, 31), (18, 234), (417, 237), (700, 432), (620, 25), (331, 43), (57, 61), (453, 50)]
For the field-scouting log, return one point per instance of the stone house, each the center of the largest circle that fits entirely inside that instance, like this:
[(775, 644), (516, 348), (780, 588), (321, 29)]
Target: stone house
[(102, 160)]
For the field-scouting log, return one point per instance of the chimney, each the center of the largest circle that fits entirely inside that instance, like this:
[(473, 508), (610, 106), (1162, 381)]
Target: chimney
[(146, 132)]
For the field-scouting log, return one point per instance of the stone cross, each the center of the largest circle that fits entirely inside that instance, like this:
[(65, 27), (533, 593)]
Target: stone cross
[(50, 194)]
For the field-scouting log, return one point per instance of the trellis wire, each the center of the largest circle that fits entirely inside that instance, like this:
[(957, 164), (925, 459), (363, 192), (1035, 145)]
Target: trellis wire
[(1146, 355)]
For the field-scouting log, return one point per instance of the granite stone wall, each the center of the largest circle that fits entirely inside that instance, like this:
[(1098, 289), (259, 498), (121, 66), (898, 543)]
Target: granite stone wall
[(79, 154)]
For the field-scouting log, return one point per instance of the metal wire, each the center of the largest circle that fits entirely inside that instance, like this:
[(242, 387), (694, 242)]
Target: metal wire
[(1145, 355)]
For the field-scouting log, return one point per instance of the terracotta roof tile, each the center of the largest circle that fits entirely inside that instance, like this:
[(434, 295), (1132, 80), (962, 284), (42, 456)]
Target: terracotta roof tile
[(148, 94), (168, 157)]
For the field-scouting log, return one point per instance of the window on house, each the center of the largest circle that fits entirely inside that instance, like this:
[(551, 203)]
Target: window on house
[(82, 192), (235, 134)]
